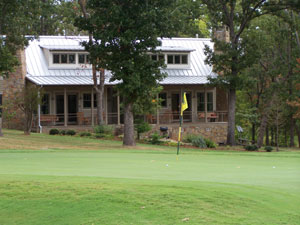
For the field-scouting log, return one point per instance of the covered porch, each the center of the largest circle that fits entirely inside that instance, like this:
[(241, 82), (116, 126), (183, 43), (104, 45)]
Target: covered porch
[(67, 106)]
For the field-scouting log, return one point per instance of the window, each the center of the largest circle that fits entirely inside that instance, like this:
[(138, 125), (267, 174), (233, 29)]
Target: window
[(45, 107), (201, 102), (83, 59), (87, 99), (163, 99), (178, 59), (0, 105), (63, 58), (157, 57)]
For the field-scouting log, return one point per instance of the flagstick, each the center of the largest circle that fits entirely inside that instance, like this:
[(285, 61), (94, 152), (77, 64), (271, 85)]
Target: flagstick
[(179, 134)]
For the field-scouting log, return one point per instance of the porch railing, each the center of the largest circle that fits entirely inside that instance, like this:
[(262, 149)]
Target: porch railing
[(80, 119)]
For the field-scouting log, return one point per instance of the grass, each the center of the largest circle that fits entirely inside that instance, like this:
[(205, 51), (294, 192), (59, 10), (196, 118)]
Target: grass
[(70, 180)]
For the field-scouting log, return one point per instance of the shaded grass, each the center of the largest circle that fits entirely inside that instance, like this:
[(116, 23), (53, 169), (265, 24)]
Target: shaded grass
[(85, 181)]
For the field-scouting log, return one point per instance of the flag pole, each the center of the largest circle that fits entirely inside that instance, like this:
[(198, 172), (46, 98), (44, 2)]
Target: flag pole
[(183, 106)]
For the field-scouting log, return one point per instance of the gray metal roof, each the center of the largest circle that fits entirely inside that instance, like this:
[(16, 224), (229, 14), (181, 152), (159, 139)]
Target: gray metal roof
[(39, 73)]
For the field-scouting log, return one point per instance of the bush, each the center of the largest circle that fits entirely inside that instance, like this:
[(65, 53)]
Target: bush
[(209, 143), (70, 132), (155, 139), (62, 132), (196, 140), (100, 135), (85, 134), (141, 127), (103, 129), (251, 147), (53, 131), (269, 148)]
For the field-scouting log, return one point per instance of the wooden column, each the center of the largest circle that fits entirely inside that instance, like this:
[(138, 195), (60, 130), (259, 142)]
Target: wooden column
[(65, 108), (157, 112), (118, 108), (205, 104), (106, 111), (92, 107)]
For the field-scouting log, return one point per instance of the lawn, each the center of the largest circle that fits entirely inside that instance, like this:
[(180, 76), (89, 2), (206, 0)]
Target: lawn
[(70, 180)]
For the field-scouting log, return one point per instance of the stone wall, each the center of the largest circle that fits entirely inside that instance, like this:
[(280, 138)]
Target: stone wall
[(12, 116), (216, 132)]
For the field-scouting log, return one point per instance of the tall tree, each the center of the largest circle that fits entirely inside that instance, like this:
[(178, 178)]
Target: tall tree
[(230, 58), (124, 33)]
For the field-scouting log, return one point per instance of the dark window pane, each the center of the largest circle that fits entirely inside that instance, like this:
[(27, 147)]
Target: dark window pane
[(200, 102), (154, 57), (86, 100), (87, 59), (45, 107), (177, 59), (95, 100), (72, 58), (64, 58), (163, 99), (209, 97), (55, 58), (184, 59), (170, 59), (210, 105), (81, 58)]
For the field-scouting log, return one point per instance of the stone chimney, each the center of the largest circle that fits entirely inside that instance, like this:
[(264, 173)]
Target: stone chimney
[(222, 34), (14, 83)]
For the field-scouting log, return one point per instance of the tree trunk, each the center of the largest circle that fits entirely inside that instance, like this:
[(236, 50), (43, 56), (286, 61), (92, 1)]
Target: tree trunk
[(231, 117), (100, 92), (28, 123), (292, 132), (277, 131), (298, 133), (253, 132), (1, 134), (128, 126), (262, 130), (272, 136), (267, 136)]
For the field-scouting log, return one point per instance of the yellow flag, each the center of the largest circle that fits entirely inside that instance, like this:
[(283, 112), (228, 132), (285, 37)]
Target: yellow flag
[(184, 104)]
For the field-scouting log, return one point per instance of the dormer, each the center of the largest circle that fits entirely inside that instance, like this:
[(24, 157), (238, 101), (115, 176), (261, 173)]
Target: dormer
[(66, 57)]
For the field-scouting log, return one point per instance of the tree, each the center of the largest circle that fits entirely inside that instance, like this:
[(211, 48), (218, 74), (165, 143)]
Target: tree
[(124, 33), (231, 58), (27, 101)]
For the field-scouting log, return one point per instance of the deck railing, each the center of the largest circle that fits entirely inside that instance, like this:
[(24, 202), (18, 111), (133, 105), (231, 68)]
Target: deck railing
[(80, 119)]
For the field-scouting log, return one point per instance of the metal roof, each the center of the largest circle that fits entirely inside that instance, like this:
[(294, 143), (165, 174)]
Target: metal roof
[(39, 73)]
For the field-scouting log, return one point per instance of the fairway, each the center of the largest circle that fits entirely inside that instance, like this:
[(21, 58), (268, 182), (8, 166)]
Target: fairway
[(85, 181)]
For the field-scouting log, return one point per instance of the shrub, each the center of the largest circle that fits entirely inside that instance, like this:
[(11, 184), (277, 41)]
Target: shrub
[(209, 143), (62, 132), (70, 132), (141, 127), (85, 134), (251, 147), (269, 148), (53, 131), (103, 129), (99, 135), (196, 140), (155, 139)]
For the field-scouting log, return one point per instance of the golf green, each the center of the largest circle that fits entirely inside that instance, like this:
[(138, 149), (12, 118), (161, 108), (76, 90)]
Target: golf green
[(147, 185)]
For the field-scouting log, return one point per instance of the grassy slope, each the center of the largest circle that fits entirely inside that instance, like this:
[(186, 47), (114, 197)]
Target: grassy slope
[(67, 180)]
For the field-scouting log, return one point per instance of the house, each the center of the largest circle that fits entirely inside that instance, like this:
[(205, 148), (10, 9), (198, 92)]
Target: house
[(60, 66)]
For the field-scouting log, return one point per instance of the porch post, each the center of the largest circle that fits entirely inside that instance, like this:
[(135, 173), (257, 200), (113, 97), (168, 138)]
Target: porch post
[(65, 108), (106, 112), (92, 107), (118, 108), (205, 104), (157, 111)]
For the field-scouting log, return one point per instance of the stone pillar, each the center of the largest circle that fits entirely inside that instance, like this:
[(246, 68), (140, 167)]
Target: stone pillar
[(12, 85)]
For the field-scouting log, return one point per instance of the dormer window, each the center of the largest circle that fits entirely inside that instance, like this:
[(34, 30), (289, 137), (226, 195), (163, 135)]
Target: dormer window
[(157, 57), (62, 58), (177, 59), (83, 59)]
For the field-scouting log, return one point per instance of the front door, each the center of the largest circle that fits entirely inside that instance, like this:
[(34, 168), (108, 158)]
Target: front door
[(187, 114), (60, 108), (175, 106), (72, 109)]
